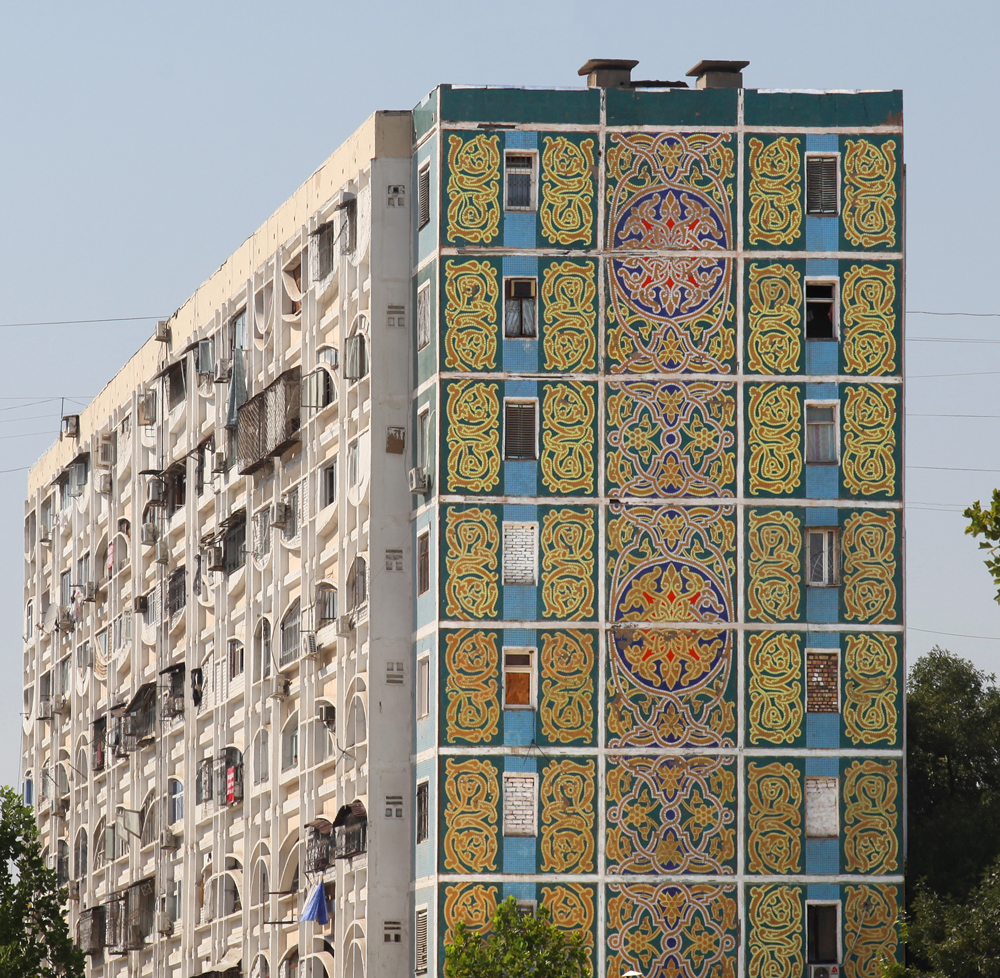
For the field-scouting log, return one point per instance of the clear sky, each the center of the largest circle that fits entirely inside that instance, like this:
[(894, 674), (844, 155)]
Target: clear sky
[(141, 144)]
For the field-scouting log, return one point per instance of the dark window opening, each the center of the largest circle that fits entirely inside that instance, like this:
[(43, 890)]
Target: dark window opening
[(423, 812), (229, 776), (176, 378), (324, 246), (234, 543), (423, 563), (519, 430), (819, 311), (519, 167), (176, 591), (519, 308), (822, 931)]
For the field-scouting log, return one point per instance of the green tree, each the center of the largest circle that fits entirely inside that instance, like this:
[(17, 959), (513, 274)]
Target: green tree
[(986, 523), (517, 945), (34, 934)]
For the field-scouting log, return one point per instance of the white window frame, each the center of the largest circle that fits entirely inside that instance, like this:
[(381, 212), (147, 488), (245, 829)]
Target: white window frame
[(531, 669), (424, 171), (520, 400), (423, 690), (533, 777), (423, 436), (421, 967), (534, 301), (534, 525), (423, 782), (825, 530), (424, 336), (533, 205), (836, 431), (834, 154), (822, 280), (809, 651), (840, 935)]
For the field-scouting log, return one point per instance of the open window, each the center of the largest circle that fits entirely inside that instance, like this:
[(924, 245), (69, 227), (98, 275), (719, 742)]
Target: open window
[(821, 309), (822, 926), (519, 318), (822, 556)]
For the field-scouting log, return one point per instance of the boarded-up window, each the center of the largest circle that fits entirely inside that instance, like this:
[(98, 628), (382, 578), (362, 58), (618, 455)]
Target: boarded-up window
[(519, 429), (519, 553), (822, 808), (519, 805), (821, 185), (821, 682)]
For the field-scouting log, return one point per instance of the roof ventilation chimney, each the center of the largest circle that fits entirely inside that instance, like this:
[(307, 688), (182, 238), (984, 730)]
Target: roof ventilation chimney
[(718, 74), (608, 73)]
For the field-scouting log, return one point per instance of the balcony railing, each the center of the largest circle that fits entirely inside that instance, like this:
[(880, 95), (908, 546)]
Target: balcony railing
[(90, 931), (350, 840), (319, 851), (268, 423)]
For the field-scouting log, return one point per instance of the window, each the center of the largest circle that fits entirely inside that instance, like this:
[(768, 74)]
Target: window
[(352, 464), (423, 686), (261, 757), (290, 744), (262, 533), (420, 942), (394, 673), (423, 196), (62, 862), (519, 678), (392, 932), (423, 812), (822, 808), (519, 308), (355, 357), (290, 635), (175, 381), (520, 182), (423, 563), (393, 806), (204, 356), (175, 801), (395, 316), (519, 805), (329, 487), (203, 782), (326, 603), (291, 502), (822, 681), (821, 930), (66, 588), (423, 315), (423, 438), (821, 184), (821, 432), (293, 286), (324, 250), (235, 658), (263, 649), (80, 855), (520, 553), (519, 430), (821, 314), (235, 543), (229, 773), (318, 390), (821, 557), (176, 591), (357, 583)]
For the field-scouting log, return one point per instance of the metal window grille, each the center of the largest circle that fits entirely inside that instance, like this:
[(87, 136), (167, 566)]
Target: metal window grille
[(420, 942), (424, 196), (268, 423), (326, 603), (519, 169), (290, 635), (234, 544), (821, 185), (176, 592), (519, 430), (423, 812), (229, 777), (203, 781)]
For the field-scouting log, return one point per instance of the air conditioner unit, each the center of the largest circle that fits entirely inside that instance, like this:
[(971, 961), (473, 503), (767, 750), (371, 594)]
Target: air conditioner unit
[(310, 649), (147, 409), (105, 453), (168, 840), (328, 715), (71, 425), (45, 535), (149, 534), (162, 332), (280, 687), (90, 593), (103, 482), (222, 372), (60, 805), (419, 480), (162, 552), (44, 711), (65, 622), (164, 923), (74, 889), (279, 515), (219, 462), (824, 971), (216, 558), (140, 604), (155, 492), (345, 625), (60, 703)]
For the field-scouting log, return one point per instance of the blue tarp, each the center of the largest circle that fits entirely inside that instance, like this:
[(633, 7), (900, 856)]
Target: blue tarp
[(315, 908)]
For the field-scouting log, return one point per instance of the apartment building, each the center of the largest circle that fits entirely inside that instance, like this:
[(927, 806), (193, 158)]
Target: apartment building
[(517, 513)]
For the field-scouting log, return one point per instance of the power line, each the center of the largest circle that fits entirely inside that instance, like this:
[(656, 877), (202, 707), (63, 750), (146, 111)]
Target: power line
[(981, 373), (927, 312), (949, 468), (23, 468), (934, 631), (81, 322), (994, 416), (945, 339)]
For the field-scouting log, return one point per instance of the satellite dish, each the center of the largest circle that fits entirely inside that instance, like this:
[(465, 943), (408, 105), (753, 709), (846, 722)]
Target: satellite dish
[(50, 618)]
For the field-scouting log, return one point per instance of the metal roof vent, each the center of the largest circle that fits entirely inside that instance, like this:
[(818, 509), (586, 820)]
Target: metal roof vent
[(608, 73), (718, 74)]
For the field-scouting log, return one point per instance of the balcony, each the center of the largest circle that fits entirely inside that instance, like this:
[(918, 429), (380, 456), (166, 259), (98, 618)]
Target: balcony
[(134, 724), (268, 423), (319, 846), (90, 930), (350, 831)]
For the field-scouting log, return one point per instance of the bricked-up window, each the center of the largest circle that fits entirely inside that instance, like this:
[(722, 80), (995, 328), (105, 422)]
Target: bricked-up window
[(423, 811), (822, 808), (420, 942), (520, 553), (423, 315), (822, 557), (822, 681), (423, 196), (821, 432), (820, 311), (423, 563), (519, 308), (821, 185), (519, 679), (519, 808), (520, 181), (821, 929), (519, 430)]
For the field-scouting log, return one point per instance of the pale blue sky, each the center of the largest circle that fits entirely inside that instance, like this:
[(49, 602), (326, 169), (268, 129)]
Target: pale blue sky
[(142, 143)]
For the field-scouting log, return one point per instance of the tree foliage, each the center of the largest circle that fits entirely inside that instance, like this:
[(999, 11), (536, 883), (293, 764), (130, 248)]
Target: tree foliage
[(986, 523), (34, 934), (517, 946)]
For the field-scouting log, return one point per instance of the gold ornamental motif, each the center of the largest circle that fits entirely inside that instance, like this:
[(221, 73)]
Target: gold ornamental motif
[(572, 908), (775, 192), (774, 413), (472, 664), (869, 440), (472, 547), (774, 661), (774, 818), (870, 917), (470, 315), (868, 319), (473, 188), (569, 316), (566, 460), (871, 817), (774, 565), (869, 549), (869, 217), (870, 690), (472, 904), (472, 790), (567, 561), (566, 211), (473, 412), (566, 796), (774, 319), (774, 941), (566, 687)]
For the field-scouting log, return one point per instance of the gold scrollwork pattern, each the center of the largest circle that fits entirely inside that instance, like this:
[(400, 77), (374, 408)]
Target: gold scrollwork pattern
[(472, 904), (670, 439), (473, 188), (572, 908), (774, 818), (775, 193), (870, 937), (871, 817), (869, 551), (871, 714), (868, 319), (869, 440), (774, 938), (566, 211), (566, 686), (569, 316), (470, 315), (671, 815), (473, 412), (774, 565), (869, 212), (472, 791), (567, 557), (566, 460), (674, 930), (566, 796), (472, 548), (774, 319), (774, 661), (774, 416), (472, 669)]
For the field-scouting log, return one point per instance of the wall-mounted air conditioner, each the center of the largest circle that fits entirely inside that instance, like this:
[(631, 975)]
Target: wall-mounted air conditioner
[(216, 558), (218, 462), (309, 647), (105, 453), (147, 409), (345, 625), (168, 840), (60, 703), (156, 492), (824, 971), (162, 552), (149, 534), (328, 715), (280, 687), (140, 604), (162, 332), (74, 889), (103, 482), (90, 592), (45, 535), (278, 515), (419, 480), (164, 923), (65, 622), (71, 426), (222, 371)]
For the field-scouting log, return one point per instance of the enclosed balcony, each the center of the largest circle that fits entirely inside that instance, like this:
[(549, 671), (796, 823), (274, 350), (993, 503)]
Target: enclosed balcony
[(268, 423)]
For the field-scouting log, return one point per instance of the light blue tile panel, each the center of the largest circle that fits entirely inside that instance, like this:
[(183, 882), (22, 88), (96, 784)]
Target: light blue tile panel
[(520, 478), (522, 513), (529, 388), (520, 356), (519, 728), (520, 603), (822, 142), (519, 891), (424, 851), (520, 765), (822, 392), (822, 767), (821, 516), (822, 857), (823, 640), (425, 604), (823, 266), (821, 605), (524, 265), (822, 233), (822, 482), (529, 140), (823, 891), (427, 725), (519, 229), (525, 638), (822, 357), (823, 730)]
